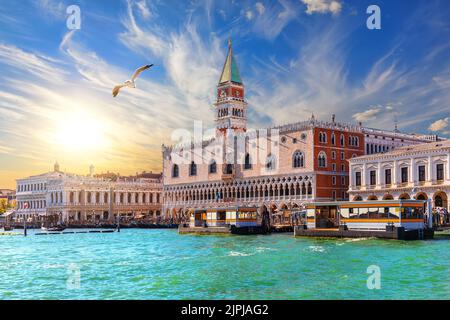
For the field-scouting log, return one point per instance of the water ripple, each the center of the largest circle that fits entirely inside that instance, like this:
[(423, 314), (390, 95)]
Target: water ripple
[(160, 264)]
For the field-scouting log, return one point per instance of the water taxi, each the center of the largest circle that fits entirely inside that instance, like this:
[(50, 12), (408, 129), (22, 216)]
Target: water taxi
[(235, 220)]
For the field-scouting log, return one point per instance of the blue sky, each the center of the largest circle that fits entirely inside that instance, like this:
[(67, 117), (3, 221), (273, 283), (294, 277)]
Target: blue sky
[(295, 57)]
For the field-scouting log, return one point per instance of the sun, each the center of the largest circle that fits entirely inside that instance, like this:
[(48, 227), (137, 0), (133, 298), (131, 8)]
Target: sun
[(80, 132)]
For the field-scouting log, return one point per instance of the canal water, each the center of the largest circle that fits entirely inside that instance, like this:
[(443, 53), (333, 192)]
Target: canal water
[(160, 264)]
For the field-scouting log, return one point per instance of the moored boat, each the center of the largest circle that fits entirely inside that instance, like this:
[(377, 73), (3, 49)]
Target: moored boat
[(53, 228), (226, 220), (393, 219)]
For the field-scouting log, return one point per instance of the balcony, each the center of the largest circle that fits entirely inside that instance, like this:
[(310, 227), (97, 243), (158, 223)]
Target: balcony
[(228, 176), (228, 172)]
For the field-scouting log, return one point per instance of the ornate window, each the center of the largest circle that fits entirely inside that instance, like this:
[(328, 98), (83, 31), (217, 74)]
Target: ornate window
[(212, 166), (322, 137), (270, 162), (175, 171), (322, 159), (342, 140), (298, 159), (192, 169), (247, 162), (333, 139)]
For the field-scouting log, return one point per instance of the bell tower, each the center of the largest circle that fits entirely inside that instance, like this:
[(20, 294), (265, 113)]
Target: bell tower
[(231, 108)]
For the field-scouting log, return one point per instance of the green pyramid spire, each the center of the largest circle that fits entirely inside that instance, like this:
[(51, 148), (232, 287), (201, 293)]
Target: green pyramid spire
[(230, 70)]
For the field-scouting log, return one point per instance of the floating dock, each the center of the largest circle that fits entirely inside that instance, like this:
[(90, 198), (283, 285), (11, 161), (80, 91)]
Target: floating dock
[(222, 230), (396, 233), (72, 232)]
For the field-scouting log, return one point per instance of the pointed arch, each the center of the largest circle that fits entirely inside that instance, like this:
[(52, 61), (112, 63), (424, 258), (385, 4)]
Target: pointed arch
[(175, 171), (322, 159), (270, 162), (193, 169), (247, 162), (298, 159), (212, 168)]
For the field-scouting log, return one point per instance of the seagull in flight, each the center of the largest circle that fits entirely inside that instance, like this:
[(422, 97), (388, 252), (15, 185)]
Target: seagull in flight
[(130, 83)]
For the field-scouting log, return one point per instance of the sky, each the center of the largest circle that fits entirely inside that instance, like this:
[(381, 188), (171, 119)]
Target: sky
[(295, 58)]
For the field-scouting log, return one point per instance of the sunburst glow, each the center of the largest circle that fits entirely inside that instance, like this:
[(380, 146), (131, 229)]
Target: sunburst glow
[(80, 132)]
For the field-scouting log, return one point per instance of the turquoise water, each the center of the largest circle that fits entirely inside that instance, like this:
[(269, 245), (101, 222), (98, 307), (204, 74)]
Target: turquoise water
[(160, 264)]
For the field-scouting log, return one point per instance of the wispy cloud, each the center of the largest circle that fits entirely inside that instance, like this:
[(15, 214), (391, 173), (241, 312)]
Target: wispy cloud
[(38, 65), (367, 115), (66, 84), (268, 21), (53, 8), (439, 125), (322, 6)]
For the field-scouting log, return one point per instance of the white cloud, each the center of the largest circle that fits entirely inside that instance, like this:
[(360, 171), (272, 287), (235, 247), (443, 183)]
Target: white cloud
[(139, 39), (144, 11), (260, 8), (53, 8), (6, 150), (322, 6), (367, 115), (273, 19), (439, 125), (30, 63), (249, 14)]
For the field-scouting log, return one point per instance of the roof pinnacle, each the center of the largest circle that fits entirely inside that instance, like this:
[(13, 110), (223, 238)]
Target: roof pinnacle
[(230, 72)]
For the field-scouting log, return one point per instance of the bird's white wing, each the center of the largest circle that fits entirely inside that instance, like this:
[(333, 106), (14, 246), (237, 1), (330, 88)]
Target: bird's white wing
[(139, 70), (116, 89)]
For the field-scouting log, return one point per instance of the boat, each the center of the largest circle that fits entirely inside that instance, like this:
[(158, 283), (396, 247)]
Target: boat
[(395, 219), (7, 228), (53, 228), (225, 220)]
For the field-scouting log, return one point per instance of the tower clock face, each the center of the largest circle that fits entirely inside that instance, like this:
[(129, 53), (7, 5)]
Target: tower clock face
[(223, 93)]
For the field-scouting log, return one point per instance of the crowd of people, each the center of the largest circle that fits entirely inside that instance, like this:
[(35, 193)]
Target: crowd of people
[(441, 217)]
